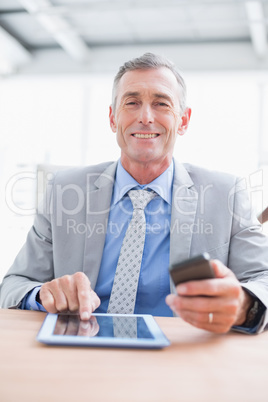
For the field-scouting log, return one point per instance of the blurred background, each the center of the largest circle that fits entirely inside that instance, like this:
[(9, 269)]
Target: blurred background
[(57, 63)]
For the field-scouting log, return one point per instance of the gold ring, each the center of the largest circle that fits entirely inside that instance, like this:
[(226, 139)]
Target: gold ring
[(210, 318)]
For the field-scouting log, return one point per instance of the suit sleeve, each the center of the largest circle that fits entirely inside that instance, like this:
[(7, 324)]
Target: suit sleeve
[(34, 264), (248, 255)]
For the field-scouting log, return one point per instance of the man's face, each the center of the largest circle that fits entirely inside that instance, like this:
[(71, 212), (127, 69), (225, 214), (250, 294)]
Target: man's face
[(147, 118)]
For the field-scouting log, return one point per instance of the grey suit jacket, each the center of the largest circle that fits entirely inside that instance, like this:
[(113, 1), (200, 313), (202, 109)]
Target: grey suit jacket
[(210, 212)]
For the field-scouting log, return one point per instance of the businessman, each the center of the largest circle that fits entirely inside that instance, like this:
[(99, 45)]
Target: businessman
[(72, 257)]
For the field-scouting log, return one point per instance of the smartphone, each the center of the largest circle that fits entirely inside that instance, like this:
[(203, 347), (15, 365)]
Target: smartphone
[(193, 269)]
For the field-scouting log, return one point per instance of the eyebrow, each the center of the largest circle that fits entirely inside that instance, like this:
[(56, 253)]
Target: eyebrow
[(164, 96), (130, 93), (157, 95)]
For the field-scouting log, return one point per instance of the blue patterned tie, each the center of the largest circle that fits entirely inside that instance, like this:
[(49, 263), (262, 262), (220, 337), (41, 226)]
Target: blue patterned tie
[(124, 291)]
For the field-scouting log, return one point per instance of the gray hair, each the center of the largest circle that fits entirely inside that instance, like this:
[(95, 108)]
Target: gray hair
[(146, 62)]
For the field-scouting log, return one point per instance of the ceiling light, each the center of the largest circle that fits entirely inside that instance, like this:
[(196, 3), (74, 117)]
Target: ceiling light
[(12, 54), (62, 32), (33, 6)]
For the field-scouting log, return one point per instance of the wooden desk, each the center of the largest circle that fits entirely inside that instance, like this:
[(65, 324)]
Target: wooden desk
[(198, 366)]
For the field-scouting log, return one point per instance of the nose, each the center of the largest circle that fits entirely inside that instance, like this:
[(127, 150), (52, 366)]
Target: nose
[(146, 114)]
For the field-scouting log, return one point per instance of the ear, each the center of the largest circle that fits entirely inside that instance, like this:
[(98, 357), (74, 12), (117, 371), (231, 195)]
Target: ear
[(185, 119), (112, 119)]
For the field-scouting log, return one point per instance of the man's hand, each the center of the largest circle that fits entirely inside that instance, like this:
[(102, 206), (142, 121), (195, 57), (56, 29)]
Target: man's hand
[(212, 304), (69, 293)]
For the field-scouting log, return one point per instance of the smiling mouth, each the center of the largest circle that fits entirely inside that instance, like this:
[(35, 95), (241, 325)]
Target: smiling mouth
[(145, 136)]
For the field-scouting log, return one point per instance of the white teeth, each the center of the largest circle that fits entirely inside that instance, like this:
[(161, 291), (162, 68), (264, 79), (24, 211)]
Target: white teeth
[(145, 135)]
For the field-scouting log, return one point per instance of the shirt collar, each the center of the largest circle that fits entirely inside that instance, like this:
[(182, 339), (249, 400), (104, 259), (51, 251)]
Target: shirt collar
[(124, 182)]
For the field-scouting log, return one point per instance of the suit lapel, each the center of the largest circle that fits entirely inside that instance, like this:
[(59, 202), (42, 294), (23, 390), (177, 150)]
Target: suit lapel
[(184, 205), (99, 194)]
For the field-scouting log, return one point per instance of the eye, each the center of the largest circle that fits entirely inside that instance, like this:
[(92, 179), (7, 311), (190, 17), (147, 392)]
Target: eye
[(162, 104), (131, 102)]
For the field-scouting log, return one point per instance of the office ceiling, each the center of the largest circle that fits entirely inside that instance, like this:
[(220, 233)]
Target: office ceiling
[(77, 30)]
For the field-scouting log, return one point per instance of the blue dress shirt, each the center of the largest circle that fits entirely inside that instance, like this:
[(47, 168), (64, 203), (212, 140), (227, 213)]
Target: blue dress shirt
[(154, 282)]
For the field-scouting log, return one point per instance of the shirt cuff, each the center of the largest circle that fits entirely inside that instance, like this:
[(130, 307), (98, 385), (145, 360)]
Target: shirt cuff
[(257, 321), (29, 302)]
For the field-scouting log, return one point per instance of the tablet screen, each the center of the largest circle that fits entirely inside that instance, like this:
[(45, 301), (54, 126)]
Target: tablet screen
[(111, 330), (102, 326)]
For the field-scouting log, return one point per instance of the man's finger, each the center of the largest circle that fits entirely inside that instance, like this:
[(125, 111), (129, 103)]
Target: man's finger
[(85, 305), (95, 300), (47, 300), (221, 322), (220, 270), (88, 300), (68, 286), (210, 287), (206, 304)]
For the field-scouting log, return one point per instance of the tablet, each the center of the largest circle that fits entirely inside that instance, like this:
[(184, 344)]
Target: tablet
[(111, 330)]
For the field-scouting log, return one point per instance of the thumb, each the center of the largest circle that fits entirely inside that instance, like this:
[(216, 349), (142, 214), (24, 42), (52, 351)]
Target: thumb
[(220, 270)]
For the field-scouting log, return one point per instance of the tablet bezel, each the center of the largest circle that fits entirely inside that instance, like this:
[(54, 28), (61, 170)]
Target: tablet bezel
[(157, 341)]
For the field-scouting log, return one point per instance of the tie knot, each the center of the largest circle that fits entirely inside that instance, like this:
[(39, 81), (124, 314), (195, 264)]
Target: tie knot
[(140, 198)]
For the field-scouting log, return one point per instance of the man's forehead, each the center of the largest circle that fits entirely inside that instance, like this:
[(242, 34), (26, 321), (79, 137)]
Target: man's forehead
[(156, 81)]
